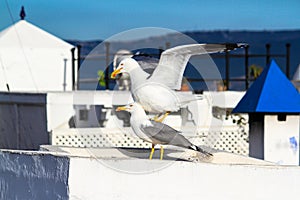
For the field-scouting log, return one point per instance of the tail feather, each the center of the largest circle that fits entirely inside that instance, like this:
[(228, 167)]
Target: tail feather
[(196, 148), (189, 98)]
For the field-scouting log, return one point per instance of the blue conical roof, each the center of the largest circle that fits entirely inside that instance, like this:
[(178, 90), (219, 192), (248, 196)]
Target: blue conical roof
[(272, 92)]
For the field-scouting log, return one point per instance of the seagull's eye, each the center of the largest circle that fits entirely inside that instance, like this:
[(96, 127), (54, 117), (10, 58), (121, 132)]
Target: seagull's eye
[(131, 105), (122, 64)]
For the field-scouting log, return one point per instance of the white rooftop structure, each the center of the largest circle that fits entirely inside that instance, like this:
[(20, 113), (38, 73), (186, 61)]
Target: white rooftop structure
[(32, 59), (296, 76)]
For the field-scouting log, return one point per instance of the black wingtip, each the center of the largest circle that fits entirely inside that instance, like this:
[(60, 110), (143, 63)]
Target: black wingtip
[(233, 46), (201, 150)]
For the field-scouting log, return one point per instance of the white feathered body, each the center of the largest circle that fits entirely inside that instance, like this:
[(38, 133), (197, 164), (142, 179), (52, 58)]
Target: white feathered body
[(139, 118), (156, 98)]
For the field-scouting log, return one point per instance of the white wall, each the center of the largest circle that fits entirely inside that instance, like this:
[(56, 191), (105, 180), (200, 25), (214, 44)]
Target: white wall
[(278, 134), (60, 105), (59, 109), (181, 180), (35, 69)]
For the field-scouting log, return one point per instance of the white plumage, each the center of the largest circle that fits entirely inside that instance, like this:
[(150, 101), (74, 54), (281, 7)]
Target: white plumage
[(156, 92), (156, 132)]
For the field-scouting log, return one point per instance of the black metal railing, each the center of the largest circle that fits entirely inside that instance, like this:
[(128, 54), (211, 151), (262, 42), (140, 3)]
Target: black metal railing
[(227, 56)]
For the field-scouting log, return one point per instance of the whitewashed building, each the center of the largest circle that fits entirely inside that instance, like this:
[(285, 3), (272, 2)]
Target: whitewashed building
[(33, 60)]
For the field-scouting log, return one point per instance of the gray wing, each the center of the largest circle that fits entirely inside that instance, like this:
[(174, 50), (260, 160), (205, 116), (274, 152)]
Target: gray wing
[(148, 67), (173, 61), (147, 63), (165, 134)]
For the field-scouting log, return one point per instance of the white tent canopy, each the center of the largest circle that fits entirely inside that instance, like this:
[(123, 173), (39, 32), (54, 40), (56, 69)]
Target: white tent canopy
[(33, 60)]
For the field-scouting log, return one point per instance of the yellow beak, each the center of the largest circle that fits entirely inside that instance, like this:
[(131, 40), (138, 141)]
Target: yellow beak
[(121, 108), (117, 71)]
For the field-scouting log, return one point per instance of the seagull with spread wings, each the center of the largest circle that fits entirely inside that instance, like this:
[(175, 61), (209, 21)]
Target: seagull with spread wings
[(156, 92)]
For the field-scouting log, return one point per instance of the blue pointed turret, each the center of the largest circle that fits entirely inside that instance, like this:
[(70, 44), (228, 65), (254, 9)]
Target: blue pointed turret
[(272, 92)]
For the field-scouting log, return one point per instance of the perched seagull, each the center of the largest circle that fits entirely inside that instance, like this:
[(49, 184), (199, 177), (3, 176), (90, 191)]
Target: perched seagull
[(156, 132), (156, 92)]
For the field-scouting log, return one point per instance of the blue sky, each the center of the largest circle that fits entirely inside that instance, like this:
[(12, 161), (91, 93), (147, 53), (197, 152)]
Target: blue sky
[(100, 19)]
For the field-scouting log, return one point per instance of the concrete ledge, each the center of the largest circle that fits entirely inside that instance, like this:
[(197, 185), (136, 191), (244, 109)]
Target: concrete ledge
[(170, 154), (74, 173)]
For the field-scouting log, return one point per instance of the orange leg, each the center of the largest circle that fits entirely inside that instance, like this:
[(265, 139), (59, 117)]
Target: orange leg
[(161, 118)]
